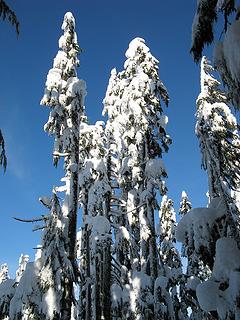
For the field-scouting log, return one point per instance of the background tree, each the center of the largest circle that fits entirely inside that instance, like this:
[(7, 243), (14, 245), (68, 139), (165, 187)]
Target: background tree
[(137, 137), (95, 242), (166, 287), (185, 204)]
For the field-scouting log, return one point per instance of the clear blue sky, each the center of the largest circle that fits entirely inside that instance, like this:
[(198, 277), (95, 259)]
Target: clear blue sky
[(104, 30)]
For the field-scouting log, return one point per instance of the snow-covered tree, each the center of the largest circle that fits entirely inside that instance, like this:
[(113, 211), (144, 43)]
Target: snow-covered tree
[(202, 28), (220, 294), (217, 132), (23, 260), (166, 287), (4, 273), (7, 290), (137, 138), (206, 15), (56, 268), (26, 301), (226, 52), (205, 232), (65, 94), (185, 204), (95, 236)]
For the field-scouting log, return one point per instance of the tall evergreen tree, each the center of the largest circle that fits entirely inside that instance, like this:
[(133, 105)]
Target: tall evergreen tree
[(217, 132), (208, 233), (64, 94), (137, 138)]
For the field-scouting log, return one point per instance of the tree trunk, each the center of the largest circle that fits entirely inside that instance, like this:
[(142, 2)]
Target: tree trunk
[(70, 212)]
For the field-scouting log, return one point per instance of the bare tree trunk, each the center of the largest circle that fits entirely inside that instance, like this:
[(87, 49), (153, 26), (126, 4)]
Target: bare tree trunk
[(106, 261), (153, 246), (70, 213)]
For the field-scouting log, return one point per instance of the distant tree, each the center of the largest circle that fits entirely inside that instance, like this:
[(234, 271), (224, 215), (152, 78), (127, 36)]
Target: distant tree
[(7, 290), (23, 260), (7, 12), (4, 273), (185, 204), (196, 271), (167, 297), (65, 94)]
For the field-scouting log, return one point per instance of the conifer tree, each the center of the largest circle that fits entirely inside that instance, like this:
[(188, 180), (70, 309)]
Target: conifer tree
[(208, 233), (4, 273), (23, 260), (226, 57), (95, 253), (217, 132), (185, 204), (7, 290), (196, 271), (56, 268), (205, 17), (166, 292), (137, 138), (64, 94)]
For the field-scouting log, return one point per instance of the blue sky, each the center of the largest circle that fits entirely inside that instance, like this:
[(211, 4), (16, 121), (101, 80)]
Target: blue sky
[(104, 30)]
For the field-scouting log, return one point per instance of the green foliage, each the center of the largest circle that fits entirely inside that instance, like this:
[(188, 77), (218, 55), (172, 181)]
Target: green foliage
[(6, 12), (203, 27)]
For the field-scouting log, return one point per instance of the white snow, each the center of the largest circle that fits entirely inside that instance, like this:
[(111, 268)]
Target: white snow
[(207, 295), (154, 168), (196, 223), (27, 292), (222, 291), (193, 282)]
